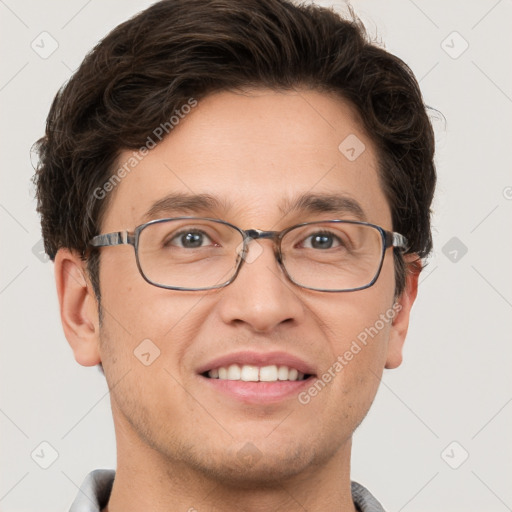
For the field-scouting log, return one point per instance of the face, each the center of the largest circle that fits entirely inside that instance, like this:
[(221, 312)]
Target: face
[(251, 151)]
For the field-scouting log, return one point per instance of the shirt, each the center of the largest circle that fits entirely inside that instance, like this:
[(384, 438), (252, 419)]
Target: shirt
[(95, 493)]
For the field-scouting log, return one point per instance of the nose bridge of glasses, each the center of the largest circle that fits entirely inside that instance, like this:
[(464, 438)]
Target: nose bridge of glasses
[(258, 233), (255, 234)]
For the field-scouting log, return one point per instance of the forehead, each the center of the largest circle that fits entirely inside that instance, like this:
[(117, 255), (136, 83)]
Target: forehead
[(255, 156)]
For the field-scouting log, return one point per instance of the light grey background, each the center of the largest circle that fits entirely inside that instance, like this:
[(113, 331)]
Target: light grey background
[(455, 383)]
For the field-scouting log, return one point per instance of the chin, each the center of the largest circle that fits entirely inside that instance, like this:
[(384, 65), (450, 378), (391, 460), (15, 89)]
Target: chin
[(243, 465), (259, 474)]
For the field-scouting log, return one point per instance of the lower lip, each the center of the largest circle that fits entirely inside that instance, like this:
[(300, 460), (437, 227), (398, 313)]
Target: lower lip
[(258, 392)]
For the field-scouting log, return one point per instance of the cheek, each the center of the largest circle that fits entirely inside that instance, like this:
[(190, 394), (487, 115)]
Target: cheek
[(360, 319), (360, 357), (357, 326), (135, 307), (146, 329)]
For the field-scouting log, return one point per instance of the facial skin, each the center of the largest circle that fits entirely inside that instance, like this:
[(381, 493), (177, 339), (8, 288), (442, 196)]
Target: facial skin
[(179, 439)]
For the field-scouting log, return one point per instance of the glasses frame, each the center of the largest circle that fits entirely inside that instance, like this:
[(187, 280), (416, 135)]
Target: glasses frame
[(389, 239)]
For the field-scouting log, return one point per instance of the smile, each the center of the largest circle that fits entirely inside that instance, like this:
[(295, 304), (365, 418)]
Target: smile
[(252, 373)]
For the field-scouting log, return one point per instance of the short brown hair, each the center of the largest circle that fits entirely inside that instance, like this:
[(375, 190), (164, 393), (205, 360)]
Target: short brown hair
[(152, 64)]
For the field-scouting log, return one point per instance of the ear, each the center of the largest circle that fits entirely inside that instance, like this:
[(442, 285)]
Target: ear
[(402, 307), (78, 307)]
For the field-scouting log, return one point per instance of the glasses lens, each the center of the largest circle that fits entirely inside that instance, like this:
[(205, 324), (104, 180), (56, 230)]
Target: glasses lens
[(189, 253), (332, 255)]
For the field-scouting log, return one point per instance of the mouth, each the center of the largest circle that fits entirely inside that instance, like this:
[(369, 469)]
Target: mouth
[(257, 378), (252, 373)]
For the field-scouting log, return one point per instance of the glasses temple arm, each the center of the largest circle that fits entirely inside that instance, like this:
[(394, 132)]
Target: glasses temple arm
[(111, 239), (396, 240)]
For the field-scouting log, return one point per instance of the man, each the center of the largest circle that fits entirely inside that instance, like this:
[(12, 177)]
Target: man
[(236, 195)]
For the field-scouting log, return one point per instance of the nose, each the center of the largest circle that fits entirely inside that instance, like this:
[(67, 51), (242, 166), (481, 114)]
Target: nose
[(261, 296)]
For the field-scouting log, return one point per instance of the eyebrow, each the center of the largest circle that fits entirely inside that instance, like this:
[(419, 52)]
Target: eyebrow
[(324, 203), (192, 204), (184, 204)]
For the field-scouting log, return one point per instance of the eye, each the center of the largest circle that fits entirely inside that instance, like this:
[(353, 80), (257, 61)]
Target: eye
[(189, 239), (322, 240)]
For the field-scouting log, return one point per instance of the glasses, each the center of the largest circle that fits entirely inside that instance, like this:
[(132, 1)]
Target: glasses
[(196, 253)]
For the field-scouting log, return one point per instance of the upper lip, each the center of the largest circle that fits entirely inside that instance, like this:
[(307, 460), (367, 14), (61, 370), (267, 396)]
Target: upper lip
[(258, 359)]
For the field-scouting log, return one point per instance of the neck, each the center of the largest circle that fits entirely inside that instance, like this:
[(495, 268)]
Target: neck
[(147, 480)]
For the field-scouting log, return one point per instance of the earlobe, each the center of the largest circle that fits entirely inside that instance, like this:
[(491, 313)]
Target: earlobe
[(78, 307), (402, 307)]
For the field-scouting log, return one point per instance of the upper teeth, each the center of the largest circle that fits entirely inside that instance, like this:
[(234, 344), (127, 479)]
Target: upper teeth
[(250, 373)]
